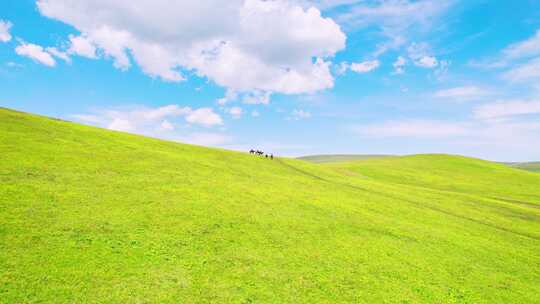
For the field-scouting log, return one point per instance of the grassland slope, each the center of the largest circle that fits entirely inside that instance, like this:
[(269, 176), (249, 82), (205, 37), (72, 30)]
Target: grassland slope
[(452, 173), (95, 216)]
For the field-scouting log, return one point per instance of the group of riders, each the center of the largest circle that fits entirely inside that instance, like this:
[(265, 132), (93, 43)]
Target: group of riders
[(261, 153)]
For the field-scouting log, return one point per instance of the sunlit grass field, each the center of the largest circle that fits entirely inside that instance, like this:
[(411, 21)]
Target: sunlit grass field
[(94, 216)]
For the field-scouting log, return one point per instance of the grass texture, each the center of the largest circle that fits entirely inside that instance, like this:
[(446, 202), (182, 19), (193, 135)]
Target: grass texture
[(94, 216)]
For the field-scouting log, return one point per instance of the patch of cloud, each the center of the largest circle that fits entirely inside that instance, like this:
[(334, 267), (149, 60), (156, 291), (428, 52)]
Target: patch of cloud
[(166, 125), (36, 53), (342, 68), (506, 109), (399, 65), (364, 67), (205, 138), (357, 67), (411, 128), (527, 48), (205, 117), (5, 26), (299, 115), (524, 72), (513, 54), (419, 54), (427, 62), (255, 113), (235, 112), (171, 122), (119, 124), (243, 45), (230, 95), (82, 46), (142, 119), (464, 93), (58, 54), (256, 97), (324, 4), (395, 19)]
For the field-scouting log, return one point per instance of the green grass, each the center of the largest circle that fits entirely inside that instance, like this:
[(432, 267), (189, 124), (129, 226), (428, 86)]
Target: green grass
[(93, 216), (331, 158)]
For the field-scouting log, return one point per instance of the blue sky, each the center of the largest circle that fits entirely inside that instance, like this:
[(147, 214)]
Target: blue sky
[(292, 77)]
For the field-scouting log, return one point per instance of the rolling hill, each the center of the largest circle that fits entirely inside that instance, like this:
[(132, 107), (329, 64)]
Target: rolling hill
[(529, 166), (96, 216)]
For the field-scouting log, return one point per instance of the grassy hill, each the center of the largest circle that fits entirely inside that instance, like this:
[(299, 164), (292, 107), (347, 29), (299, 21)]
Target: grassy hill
[(331, 158), (95, 216), (529, 166)]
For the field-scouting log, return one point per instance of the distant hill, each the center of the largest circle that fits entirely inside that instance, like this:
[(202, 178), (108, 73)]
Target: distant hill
[(89, 215), (331, 158), (529, 166)]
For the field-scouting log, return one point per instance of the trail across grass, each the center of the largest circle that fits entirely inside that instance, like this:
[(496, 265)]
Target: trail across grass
[(95, 216)]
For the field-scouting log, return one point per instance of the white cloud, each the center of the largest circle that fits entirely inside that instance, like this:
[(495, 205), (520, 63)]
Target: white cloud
[(525, 72), (205, 139), (399, 64), (205, 117), (256, 97), (411, 128), (527, 48), (513, 54), (235, 112), (427, 62), (165, 111), (342, 68), (36, 53), (145, 120), (364, 67), (395, 19), (462, 93), (395, 14), (166, 125), (419, 54), (255, 113), (325, 4), (299, 114), (82, 46), (119, 124), (5, 26), (171, 122), (506, 109), (230, 95), (243, 45), (358, 67), (58, 54)]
